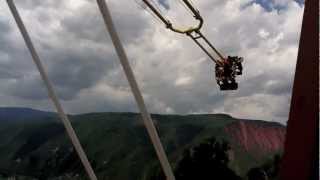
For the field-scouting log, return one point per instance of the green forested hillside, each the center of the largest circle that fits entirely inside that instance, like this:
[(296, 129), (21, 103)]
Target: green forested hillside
[(116, 143)]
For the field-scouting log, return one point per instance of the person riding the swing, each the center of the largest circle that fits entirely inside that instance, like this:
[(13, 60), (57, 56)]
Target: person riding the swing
[(226, 72), (236, 64)]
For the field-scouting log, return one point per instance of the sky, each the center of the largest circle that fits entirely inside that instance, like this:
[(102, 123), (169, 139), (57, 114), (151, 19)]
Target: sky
[(174, 75)]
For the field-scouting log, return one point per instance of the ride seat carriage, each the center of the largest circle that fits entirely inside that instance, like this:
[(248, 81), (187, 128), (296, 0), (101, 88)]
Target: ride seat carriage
[(227, 72)]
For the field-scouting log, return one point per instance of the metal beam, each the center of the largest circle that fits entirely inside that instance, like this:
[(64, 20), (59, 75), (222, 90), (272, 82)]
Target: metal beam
[(300, 159), (135, 90), (64, 118)]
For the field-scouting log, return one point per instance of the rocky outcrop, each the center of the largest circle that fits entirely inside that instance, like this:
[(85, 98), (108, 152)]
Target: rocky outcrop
[(257, 137)]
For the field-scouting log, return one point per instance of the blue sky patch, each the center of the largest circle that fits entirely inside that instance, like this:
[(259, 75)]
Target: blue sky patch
[(269, 4), (164, 3)]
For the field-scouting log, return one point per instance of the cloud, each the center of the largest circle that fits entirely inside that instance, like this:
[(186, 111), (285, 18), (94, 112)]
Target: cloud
[(175, 76)]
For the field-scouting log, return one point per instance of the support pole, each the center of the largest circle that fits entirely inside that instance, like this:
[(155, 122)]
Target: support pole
[(204, 49), (72, 135), (301, 153), (208, 42), (135, 90), (157, 13), (193, 10)]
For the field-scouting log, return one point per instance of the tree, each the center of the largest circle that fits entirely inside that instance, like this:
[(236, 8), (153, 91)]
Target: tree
[(268, 170), (257, 174), (209, 160)]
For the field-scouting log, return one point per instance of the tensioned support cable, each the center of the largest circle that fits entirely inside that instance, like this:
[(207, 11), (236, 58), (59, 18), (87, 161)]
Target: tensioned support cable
[(135, 90), (65, 120)]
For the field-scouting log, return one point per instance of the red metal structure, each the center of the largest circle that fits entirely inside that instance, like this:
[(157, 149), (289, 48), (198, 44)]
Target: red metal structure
[(300, 161)]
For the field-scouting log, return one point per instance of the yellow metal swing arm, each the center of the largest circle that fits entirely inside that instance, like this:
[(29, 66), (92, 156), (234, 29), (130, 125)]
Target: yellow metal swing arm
[(193, 32)]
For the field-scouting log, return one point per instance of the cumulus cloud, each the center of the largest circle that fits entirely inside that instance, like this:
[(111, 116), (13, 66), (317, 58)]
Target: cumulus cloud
[(174, 74)]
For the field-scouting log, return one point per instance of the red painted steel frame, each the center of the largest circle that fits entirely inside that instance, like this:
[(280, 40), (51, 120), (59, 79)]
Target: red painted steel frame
[(300, 160)]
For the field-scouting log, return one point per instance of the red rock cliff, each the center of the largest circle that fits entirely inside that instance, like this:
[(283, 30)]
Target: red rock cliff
[(257, 137)]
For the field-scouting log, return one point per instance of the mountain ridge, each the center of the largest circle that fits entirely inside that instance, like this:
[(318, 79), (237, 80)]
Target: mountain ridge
[(23, 114), (116, 141), (24, 110)]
